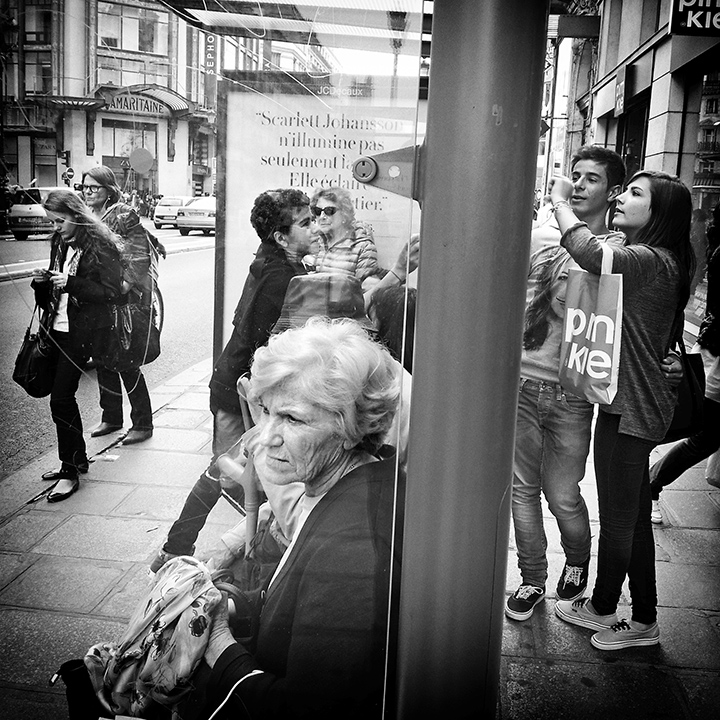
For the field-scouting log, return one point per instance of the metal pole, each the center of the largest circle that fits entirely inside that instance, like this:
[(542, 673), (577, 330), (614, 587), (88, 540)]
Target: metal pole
[(482, 140)]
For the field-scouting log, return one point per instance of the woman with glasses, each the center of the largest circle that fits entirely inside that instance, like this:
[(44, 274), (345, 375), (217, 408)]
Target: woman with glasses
[(346, 244), (75, 293), (104, 198)]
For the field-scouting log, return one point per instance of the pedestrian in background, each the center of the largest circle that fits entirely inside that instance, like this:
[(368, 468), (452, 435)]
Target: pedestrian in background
[(104, 197), (686, 453), (657, 264), (83, 280)]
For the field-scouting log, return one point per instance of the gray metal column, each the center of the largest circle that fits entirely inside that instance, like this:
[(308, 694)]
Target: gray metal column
[(482, 142)]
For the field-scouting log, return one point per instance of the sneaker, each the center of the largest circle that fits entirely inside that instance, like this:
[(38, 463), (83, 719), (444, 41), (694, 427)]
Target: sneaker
[(623, 635), (522, 602), (577, 612), (655, 514), (573, 581)]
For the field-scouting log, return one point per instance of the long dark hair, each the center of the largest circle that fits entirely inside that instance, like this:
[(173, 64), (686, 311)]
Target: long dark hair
[(552, 264), (394, 307), (91, 232), (671, 211)]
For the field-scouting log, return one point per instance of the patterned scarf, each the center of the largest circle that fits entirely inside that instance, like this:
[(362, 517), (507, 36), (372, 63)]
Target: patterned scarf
[(60, 256)]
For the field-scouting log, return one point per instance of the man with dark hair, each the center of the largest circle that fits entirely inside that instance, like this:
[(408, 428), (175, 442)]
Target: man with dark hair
[(598, 175), (282, 220)]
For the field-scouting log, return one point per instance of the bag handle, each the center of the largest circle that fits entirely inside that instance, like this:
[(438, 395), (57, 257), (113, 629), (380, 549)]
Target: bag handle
[(607, 259)]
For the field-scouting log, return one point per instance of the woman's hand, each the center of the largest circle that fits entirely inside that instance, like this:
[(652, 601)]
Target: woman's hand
[(220, 636), (58, 279), (560, 189), (408, 258)]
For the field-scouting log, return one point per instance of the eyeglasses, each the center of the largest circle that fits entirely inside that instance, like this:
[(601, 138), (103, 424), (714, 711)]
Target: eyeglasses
[(92, 189), (330, 210)]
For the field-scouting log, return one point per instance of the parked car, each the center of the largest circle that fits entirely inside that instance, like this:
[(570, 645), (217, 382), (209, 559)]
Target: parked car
[(198, 214), (27, 216), (166, 209)]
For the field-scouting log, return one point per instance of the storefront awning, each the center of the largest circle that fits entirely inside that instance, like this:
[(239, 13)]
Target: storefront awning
[(176, 103), (68, 103)]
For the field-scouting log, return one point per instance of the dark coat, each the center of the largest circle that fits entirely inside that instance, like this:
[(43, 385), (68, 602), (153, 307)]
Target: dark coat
[(322, 638), (258, 310), (92, 291)]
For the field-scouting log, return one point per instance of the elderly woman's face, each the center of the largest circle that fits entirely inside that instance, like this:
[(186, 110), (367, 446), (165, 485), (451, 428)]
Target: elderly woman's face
[(95, 195), (328, 224), (297, 441)]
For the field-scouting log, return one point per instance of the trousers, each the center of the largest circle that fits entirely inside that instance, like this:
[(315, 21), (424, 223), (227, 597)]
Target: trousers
[(552, 442), (63, 404), (626, 547), (111, 400)]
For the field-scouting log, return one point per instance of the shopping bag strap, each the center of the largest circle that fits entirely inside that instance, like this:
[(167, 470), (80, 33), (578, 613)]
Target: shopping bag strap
[(607, 259)]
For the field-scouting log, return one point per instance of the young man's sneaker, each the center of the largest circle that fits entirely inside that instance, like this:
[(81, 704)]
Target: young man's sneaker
[(655, 514), (573, 581), (623, 635), (522, 602), (577, 612)]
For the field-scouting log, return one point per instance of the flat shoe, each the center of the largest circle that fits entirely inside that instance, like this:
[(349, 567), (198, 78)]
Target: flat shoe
[(137, 436), (65, 491), (104, 429), (63, 474)]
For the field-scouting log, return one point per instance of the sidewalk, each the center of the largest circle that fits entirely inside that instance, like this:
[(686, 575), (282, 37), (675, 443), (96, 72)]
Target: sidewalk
[(71, 574)]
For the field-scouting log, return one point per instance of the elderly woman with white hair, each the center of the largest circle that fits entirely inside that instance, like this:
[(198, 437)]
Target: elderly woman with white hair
[(324, 396)]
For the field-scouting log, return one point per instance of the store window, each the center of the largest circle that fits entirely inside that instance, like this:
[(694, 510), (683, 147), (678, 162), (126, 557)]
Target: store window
[(38, 23), (132, 28), (120, 138)]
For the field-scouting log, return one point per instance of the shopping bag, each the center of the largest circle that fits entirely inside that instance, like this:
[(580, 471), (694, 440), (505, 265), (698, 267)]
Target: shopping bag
[(35, 363), (592, 331)]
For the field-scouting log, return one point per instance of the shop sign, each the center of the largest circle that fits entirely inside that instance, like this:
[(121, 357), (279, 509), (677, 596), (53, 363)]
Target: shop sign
[(621, 90), (695, 17), (136, 104)]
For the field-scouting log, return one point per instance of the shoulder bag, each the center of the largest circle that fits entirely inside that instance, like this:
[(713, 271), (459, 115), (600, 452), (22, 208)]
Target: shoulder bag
[(688, 414), (35, 364)]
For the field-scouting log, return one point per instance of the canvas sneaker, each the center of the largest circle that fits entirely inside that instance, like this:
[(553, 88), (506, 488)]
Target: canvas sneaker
[(522, 602), (573, 581), (655, 514), (623, 635), (577, 612)]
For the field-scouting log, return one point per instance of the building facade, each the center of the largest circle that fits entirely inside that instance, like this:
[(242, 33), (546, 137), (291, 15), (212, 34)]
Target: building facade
[(649, 89)]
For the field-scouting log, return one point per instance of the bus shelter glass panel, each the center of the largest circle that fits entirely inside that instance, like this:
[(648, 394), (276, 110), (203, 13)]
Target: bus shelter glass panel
[(305, 92)]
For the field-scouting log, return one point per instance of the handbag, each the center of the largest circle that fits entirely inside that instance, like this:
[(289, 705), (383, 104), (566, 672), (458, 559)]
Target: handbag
[(134, 338), (35, 364), (688, 414), (592, 333), (709, 334)]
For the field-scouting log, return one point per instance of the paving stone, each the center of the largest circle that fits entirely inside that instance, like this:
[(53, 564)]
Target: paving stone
[(124, 598), (540, 690), (153, 467), (63, 584), (189, 441), (23, 531), (12, 564), (105, 538), (37, 642), (698, 547), (688, 639), (183, 419), (691, 509), (34, 704), (153, 501), (190, 401), (94, 497), (683, 585)]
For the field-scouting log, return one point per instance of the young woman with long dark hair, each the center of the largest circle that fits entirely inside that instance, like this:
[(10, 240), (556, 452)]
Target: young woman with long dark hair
[(657, 264), (76, 293)]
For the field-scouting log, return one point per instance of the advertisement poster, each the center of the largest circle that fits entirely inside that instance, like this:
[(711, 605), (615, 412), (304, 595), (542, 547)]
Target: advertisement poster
[(279, 130)]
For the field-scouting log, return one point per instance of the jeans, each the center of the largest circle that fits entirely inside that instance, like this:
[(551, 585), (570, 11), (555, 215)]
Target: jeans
[(228, 428), (63, 405), (688, 452), (111, 400), (626, 546), (552, 440)]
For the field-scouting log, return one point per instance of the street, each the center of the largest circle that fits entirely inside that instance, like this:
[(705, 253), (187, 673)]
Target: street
[(186, 282)]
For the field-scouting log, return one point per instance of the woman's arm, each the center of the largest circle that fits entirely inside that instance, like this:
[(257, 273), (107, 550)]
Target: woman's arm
[(406, 262), (102, 283)]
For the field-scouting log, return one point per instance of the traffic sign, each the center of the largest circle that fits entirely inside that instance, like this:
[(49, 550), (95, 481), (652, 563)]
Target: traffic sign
[(70, 173)]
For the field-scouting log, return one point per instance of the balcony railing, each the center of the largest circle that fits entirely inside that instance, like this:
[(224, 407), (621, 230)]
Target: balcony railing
[(707, 179), (706, 146)]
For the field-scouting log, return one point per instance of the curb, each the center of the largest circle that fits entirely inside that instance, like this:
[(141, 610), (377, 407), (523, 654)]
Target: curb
[(25, 269)]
